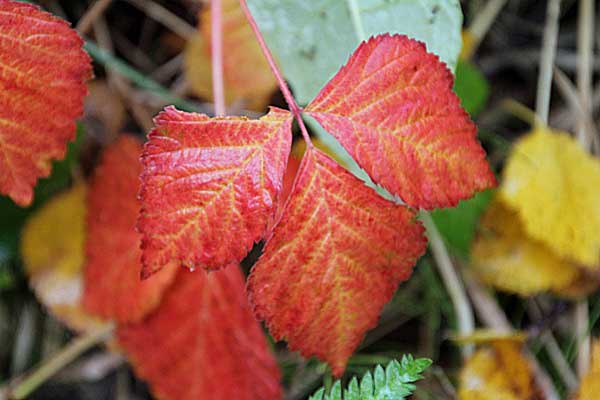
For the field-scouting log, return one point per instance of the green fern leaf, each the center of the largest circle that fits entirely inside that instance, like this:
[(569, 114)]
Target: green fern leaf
[(395, 382)]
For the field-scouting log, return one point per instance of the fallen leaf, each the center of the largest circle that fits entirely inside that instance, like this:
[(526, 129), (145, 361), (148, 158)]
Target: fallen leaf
[(498, 371), (203, 342), (590, 383), (210, 186), (246, 72), (113, 287), (333, 261), (505, 257), (43, 71), (392, 107), (52, 250), (554, 185), (486, 336)]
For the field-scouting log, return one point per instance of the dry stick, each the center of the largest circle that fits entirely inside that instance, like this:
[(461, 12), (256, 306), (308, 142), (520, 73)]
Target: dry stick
[(582, 321), (554, 352), (216, 49), (542, 105), (483, 21), (492, 315), (165, 17), (585, 47), (94, 12), (50, 367), (140, 114), (454, 285), (287, 94), (570, 94)]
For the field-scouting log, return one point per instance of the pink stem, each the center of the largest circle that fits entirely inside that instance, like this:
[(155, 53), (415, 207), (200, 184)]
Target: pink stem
[(216, 45), (295, 109)]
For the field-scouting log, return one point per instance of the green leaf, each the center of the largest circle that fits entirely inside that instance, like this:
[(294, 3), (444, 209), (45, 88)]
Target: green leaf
[(393, 383), (471, 86), (457, 225), (313, 39)]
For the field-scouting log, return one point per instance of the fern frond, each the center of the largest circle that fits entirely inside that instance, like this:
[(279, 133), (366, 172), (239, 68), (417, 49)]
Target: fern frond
[(393, 383)]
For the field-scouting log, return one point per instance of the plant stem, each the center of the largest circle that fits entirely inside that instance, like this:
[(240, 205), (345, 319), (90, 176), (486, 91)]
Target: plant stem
[(582, 336), (454, 285), (585, 47), (542, 105), (585, 44), (356, 21), (50, 367), (165, 17), (554, 352), (295, 109), (216, 49), (91, 14), (483, 21), (107, 60)]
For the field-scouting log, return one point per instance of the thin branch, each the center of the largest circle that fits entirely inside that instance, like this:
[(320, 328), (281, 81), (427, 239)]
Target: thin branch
[(483, 21), (295, 109), (165, 17), (582, 335), (216, 49), (585, 48), (143, 118), (571, 95), (454, 285), (554, 352), (356, 20), (544, 85), (91, 14), (48, 368)]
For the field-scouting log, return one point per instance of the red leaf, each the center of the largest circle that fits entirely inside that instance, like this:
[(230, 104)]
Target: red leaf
[(333, 261), (210, 186), (43, 70), (392, 107), (113, 288), (203, 342)]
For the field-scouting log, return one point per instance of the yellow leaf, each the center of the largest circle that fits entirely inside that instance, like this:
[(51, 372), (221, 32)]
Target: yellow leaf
[(246, 73), (497, 372), (555, 187), (487, 336), (590, 384), (52, 251), (503, 256), (467, 45)]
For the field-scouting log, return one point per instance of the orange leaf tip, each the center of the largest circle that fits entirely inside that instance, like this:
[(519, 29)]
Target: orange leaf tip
[(43, 70), (210, 186), (333, 261), (392, 107)]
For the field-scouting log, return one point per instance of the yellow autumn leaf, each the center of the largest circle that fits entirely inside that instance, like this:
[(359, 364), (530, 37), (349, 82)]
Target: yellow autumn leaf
[(483, 336), (468, 41), (554, 185), (246, 73), (52, 248), (498, 371), (589, 388), (503, 256)]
